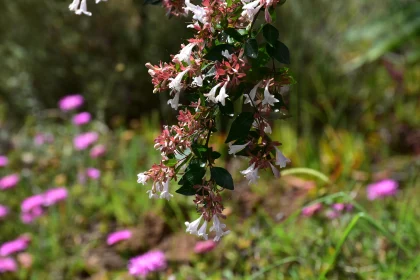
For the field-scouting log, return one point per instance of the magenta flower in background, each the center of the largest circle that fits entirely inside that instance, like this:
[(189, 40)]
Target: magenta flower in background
[(84, 140), (118, 236), (81, 118), (149, 262), (17, 245), (53, 196), (3, 161), (310, 210), (97, 151), (71, 102), (32, 202), (382, 189), (42, 138), (3, 211), (340, 207), (7, 265), (29, 217), (202, 247), (9, 181), (93, 173)]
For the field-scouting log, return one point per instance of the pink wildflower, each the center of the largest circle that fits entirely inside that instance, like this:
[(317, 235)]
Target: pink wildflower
[(310, 210), (29, 217), (42, 138), (97, 151), (382, 189), (3, 161), (9, 181), (204, 246), (32, 202), (3, 211), (84, 140), (149, 262), (17, 245), (71, 102), (7, 265), (93, 173), (118, 236), (81, 118), (53, 196)]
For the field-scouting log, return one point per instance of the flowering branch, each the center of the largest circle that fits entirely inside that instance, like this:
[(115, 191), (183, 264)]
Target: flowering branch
[(225, 62)]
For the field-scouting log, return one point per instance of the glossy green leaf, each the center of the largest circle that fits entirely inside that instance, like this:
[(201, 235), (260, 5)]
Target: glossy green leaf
[(271, 34), (240, 126), (251, 48), (280, 52), (222, 177)]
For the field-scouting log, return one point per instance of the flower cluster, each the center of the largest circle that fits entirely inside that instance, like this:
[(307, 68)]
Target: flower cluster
[(226, 61), (222, 64)]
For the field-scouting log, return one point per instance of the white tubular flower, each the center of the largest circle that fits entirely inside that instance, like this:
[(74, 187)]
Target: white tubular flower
[(198, 11), (251, 174), (74, 5), (185, 53), (142, 178), (202, 232), (83, 9), (222, 94), (174, 102), (211, 96), (165, 193), (226, 54), (198, 81), (176, 84), (152, 194), (281, 160), (251, 9), (268, 97), (79, 7), (276, 172), (218, 228), (233, 149), (249, 98), (193, 226)]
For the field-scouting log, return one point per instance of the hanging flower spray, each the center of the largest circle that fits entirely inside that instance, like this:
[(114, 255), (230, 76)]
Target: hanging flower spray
[(229, 60)]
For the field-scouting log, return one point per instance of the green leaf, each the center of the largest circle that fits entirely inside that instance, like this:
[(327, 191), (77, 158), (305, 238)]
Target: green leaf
[(251, 48), (186, 190), (240, 126), (215, 53), (228, 109), (280, 52), (193, 176), (215, 155), (170, 162), (222, 177), (199, 150), (271, 34), (233, 33)]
